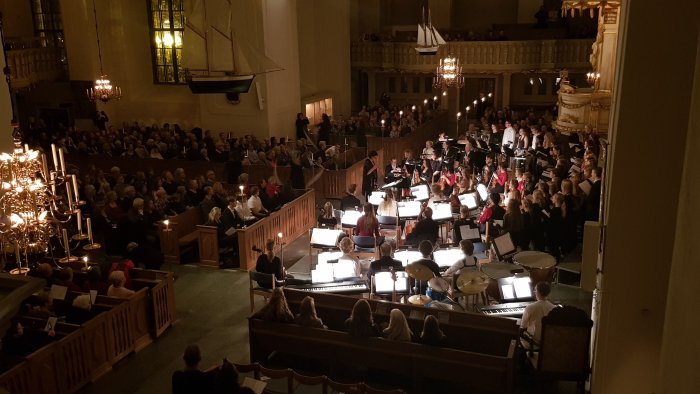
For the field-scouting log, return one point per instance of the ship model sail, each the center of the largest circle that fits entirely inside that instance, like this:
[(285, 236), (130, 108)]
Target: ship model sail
[(429, 40)]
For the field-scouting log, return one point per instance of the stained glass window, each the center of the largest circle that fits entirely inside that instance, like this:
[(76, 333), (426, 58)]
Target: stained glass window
[(167, 23)]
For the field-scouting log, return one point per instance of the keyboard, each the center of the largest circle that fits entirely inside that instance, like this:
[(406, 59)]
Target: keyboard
[(344, 287), (510, 309)]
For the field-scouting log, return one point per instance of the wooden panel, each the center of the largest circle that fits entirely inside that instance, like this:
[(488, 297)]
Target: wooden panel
[(44, 371), (19, 380), (179, 226), (292, 220), (208, 246), (139, 317), (73, 371), (97, 356), (119, 338)]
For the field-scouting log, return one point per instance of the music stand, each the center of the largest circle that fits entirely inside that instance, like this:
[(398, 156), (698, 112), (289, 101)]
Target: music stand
[(470, 233), (483, 192), (323, 238), (503, 244), (469, 200), (515, 289), (350, 218), (407, 256), (420, 192), (392, 184), (385, 284), (445, 258), (409, 209), (376, 198), (442, 211)]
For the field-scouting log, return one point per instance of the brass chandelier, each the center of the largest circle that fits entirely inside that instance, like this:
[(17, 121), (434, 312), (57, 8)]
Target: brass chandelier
[(449, 73), (103, 90)]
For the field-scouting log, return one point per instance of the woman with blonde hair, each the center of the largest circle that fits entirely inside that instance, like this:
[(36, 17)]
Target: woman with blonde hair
[(307, 314), (327, 218), (276, 309), (388, 207), (398, 329), (117, 280)]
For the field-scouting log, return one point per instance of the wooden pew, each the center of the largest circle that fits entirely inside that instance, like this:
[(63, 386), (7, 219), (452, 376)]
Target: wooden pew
[(292, 220), (469, 371), (208, 240), (161, 297), (180, 234), (464, 330)]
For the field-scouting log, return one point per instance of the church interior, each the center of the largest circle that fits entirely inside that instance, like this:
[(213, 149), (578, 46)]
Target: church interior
[(349, 196)]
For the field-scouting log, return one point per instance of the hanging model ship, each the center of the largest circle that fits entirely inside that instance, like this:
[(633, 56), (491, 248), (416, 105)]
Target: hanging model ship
[(429, 40), (209, 48)]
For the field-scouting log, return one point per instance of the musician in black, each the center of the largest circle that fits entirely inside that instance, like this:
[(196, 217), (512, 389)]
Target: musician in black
[(385, 263), (349, 201), (426, 228), (426, 250), (369, 174), (268, 263), (393, 171)]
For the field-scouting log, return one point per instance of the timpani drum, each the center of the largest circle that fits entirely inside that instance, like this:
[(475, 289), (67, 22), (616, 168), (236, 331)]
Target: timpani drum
[(540, 265)]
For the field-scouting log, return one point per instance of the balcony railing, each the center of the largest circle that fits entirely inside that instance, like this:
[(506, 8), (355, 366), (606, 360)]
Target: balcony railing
[(29, 66), (476, 56)]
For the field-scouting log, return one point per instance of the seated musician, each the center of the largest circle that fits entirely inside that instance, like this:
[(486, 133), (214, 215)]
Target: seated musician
[(531, 323), (468, 261), (493, 210), (327, 218), (367, 224), (425, 229), (268, 263), (499, 182), (436, 191), (426, 250), (386, 262), (388, 207), (428, 151), (361, 322), (346, 246), (463, 220), (448, 179), (392, 171), (455, 204)]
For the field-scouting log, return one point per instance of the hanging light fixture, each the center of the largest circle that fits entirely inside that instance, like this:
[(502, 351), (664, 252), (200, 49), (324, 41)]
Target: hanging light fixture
[(449, 73), (103, 90)]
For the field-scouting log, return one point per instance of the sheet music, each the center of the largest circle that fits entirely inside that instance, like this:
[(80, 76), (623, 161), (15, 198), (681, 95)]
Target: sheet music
[(376, 198), (468, 200), (483, 192), (469, 232), (51, 323), (258, 386), (420, 192), (93, 296), (384, 283), (522, 287), (585, 186), (407, 257), (442, 211), (324, 236), (58, 292), (504, 244), (350, 217), (575, 168), (498, 222), (447, 257), (230, 231), (409, 209), (507, 291)]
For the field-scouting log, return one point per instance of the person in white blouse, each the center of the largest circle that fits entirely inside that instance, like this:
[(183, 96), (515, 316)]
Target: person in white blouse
[(533, 314), (428, 151), (243, 211), (388, 207), (508, 135), (255, 204)]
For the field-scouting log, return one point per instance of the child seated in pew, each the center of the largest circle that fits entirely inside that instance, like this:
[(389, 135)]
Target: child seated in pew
[(307, 314), (398, 329), (361, 323), (276, 309), (432, 334)]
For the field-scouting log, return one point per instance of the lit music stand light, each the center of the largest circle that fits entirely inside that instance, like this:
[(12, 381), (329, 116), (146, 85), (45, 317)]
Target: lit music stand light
[(409, 209), (325, 257), (504, 246), (483, 192), (420, 192), (469, 200), (350, 218), (447, 257), (324, 238), (384, 283), (515, 288), (376, 198), (407, 256), (342, 268), (442, 211)]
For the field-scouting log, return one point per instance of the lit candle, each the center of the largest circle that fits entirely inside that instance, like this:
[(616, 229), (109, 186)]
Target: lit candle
[(79, 218), (17, 254), (55, 158), (166, 222), (89, 229), (69, 194), (279, 235), (63, 162), (85, 260), (75, 188), (53, 183), (65, 242), (45, 166), (26, 147)]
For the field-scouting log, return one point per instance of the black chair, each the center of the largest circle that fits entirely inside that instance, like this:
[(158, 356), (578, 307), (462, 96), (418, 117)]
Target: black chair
[(257, 289), (366, 244)]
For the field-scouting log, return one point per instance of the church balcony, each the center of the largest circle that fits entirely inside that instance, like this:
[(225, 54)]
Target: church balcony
[(477, 56), (31, 63)]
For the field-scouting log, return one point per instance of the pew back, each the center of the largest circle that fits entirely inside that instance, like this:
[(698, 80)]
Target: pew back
[(180, 232)]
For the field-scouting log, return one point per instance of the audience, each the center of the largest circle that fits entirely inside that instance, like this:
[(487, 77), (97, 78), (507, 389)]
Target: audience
[(398, 329), (268, 263), (361, 323), (276, 309), (432, 335), (307, 314), (191, 379), (117, 280)]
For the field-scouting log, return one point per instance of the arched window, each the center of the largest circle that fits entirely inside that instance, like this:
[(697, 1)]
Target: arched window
[(167, 24)]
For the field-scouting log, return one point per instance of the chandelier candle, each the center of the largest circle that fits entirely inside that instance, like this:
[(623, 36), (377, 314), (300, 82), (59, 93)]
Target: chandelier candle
[(55, 157), (63, 162), (89, 229)]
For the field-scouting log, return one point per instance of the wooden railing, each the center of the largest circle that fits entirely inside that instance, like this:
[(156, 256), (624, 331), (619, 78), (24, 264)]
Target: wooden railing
[(32, 65), (89, 351), (292, 220), (394, 147), (476, 56)]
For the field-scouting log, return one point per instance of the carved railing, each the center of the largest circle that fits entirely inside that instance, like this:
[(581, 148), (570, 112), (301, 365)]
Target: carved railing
[(476, 56), (29, 66)]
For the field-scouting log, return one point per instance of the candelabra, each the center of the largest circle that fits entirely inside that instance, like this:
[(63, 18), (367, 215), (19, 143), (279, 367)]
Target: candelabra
[(449, 73)]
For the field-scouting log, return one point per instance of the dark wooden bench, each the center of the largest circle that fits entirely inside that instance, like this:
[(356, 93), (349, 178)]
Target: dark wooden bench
[(470, 371), (180, 235)]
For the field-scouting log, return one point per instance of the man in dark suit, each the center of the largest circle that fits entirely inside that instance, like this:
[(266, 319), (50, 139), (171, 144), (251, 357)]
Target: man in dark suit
[(426, 228), (228, 216), (350, 201), (393, 171), (385, 263), (593, 197)]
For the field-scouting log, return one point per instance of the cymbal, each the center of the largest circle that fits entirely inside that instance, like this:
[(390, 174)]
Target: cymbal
[(419, 299), (440, 285), (472, 282), (419, 272)]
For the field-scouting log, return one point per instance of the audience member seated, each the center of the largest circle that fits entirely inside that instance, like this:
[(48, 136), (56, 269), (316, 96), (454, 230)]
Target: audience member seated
[(268, 263), (367, 224), (65, 278), (361, 323), (243, 212), (94, 281), (398, 329), (426, 229), (276, 309), (117, 280), (385, 262), (432, 335), (307, 314), (531, 322), (192, 379), (327, 217), (22, 342), (255, 204), (44, 306), (350, 201)]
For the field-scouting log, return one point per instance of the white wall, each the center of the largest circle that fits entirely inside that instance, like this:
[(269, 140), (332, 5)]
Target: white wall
[(324, 52)]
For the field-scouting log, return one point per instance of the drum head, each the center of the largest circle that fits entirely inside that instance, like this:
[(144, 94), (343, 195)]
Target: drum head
[(440, 285)]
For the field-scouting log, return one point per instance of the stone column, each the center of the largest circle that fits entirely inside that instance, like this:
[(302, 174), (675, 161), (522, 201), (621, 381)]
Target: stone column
[(505, 94)]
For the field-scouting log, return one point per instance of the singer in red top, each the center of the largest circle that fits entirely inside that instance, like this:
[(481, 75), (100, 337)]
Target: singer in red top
[(367, 224)]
